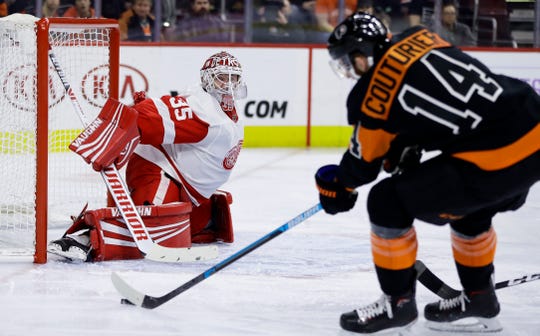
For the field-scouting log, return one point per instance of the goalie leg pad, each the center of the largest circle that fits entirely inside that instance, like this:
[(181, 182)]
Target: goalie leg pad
[(221, 215), (168, 225), (216, 216)]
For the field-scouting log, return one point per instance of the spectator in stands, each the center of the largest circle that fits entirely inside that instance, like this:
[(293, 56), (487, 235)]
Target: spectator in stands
[(365, 6), (50, 8), (18, 6), (278, 21), (137, 23), (457, 33), (413, 10), (113, 9), (3, 8), (80, 9), (306, 8), (327, 13), (200, 25), (235, 8), (168, 13), (306, 17)]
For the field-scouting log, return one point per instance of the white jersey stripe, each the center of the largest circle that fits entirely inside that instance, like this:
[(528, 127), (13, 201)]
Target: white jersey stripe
[(168, 124), (164, 183)]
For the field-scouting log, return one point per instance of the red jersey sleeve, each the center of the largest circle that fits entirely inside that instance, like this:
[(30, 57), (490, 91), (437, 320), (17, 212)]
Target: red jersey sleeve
[(169, 120)]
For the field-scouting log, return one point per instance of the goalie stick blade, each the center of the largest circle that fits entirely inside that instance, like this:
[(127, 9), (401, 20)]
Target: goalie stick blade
[(189, 254)]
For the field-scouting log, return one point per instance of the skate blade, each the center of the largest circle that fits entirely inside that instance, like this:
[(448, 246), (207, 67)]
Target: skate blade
[(406, 330), (396, 331), (467, 325)]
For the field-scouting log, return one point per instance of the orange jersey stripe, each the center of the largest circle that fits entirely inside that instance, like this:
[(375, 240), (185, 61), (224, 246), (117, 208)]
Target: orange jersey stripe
[(500, 158), (395, 254), (391, 69), (375, 143), (476, 252)]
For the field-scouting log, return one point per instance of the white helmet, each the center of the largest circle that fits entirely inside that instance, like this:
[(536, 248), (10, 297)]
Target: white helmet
[(221, 74)]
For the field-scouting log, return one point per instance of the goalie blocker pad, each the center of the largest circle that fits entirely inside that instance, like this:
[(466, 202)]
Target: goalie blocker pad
[(110, 138), (168, 225)]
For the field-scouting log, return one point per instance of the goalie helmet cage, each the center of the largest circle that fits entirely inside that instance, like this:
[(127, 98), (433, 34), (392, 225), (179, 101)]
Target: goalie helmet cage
[(43, 184)]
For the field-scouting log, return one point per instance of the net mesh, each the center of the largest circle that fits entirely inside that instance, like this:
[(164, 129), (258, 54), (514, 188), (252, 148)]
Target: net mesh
[(83, 53)]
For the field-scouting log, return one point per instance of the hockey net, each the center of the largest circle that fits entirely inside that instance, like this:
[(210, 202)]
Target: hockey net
[(42, 182)]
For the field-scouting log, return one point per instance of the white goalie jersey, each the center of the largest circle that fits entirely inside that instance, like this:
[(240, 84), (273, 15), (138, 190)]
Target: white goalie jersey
[(191, 139)]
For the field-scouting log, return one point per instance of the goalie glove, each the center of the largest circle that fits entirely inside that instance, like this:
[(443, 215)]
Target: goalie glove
[(110, 138), (138, 97), (334, 196)]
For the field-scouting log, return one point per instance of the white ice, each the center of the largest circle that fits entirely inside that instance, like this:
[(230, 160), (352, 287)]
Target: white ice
[(297, 284)]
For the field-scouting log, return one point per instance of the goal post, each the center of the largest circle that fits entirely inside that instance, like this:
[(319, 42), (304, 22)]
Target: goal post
[(42, 184)]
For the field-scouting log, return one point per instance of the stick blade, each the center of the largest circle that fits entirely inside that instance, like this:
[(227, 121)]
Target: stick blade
[(188, 254), (128, 293)]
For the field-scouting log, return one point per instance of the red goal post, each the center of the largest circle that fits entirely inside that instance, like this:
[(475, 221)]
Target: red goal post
[(43, 184)]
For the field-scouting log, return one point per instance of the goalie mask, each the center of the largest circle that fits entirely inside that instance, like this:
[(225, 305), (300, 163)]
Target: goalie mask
[(359, 34), (221, 76)]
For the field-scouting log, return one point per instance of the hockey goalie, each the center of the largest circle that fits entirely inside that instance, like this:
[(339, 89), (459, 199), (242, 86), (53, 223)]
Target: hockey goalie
[(178, 151)]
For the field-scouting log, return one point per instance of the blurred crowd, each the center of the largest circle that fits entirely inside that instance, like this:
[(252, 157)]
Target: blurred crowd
[(275, 21)]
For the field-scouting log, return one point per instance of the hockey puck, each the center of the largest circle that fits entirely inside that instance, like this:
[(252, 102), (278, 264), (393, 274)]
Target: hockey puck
[(126, 302)]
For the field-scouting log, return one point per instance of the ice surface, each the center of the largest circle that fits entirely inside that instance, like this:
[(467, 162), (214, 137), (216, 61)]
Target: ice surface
[(296, 284)]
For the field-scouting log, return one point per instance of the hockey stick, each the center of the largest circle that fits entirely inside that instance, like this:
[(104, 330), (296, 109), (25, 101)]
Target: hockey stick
[(133, 296), (437, 286), (125, 204)]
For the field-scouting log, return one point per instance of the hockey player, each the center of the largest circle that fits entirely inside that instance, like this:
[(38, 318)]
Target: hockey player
[(416, 92), (185, 147)]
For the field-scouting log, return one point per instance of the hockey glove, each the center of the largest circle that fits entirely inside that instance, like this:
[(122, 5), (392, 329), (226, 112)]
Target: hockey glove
[(402, 158), (138, 97), (334, 196)]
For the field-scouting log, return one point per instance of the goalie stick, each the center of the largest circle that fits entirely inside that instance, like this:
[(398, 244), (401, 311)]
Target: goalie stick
[(437, 286), (125, 204), (133, 296)]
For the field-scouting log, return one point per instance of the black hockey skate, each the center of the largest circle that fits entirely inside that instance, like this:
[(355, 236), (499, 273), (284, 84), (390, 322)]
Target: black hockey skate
[(471, 311), (388, 314), (75, 248)]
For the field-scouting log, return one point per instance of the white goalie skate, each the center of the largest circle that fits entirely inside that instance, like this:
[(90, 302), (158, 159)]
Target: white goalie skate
[(75, 248)]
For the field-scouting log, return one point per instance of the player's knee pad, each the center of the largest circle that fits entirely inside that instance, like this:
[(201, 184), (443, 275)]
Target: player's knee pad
[(168, 225), (213, 221), (385, 208)]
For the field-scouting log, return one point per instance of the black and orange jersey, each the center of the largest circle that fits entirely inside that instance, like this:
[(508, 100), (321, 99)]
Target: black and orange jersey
[(431, 94)]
